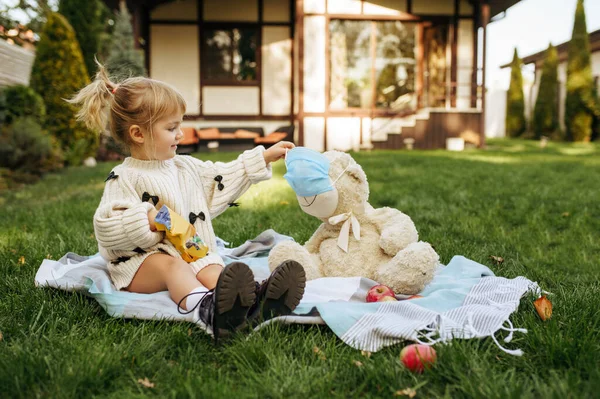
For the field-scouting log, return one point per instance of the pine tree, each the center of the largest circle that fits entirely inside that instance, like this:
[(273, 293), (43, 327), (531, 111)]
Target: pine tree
[(86, 19), (580, 103), (58, 72), (124, 59), (545, 113), (515, 100)]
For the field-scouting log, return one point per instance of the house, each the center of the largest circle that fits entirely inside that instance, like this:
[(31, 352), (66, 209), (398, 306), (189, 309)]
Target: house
[(348, 74), (562, 49), (17, 53)]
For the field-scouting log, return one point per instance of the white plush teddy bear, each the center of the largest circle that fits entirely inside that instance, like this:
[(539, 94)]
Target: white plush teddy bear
[(355, 239)]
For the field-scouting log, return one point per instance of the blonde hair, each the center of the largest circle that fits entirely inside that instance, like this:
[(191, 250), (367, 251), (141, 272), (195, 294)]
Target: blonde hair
[(106, 105)]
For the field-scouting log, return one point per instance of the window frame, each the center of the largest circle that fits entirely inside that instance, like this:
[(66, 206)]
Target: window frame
[(211, 26)]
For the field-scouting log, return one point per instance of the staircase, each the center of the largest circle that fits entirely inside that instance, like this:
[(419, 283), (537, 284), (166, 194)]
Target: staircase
[(400, 132), (428, 128)]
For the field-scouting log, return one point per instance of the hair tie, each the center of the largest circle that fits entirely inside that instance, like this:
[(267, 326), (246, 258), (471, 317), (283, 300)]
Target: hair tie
[(114, 89)]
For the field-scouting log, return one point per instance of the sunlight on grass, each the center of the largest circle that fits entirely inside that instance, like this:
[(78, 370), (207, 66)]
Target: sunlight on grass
[(276, 191), (577, 150), (493, 159)]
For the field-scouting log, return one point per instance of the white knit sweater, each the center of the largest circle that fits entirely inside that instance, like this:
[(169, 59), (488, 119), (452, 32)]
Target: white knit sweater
[(186, 185)]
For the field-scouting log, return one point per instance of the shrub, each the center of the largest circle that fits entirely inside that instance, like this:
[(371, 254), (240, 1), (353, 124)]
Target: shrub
[(545, 113), (580, 102), (515, 101), (124, 59), (88, 22), (26, 148), (58, 72), (110, 150), (20, 101)]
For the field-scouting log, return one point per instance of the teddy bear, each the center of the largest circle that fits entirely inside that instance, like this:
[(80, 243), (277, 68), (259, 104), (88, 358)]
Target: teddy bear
[(355, 239)]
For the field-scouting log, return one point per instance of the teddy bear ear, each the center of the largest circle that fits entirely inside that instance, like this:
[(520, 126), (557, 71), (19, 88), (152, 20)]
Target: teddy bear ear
[(356, 172)]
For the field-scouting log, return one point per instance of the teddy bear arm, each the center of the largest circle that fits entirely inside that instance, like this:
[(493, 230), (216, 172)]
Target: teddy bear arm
[(314, 242), (397, 230)]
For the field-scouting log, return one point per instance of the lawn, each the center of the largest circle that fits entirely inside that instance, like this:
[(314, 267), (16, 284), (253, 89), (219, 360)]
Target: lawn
[(538, 209)]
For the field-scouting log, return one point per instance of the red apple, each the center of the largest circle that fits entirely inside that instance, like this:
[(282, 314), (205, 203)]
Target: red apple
[(387, 299), (416, 357), (379, 291)]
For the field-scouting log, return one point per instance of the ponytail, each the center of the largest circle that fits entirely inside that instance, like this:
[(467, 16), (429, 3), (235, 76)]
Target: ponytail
[(94, 101)]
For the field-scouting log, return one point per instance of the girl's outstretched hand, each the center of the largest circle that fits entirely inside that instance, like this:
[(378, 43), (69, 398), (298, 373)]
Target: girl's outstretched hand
[(277, 151)]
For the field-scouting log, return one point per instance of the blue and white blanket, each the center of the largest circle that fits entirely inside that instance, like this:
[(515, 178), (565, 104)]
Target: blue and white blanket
[(464, 300)]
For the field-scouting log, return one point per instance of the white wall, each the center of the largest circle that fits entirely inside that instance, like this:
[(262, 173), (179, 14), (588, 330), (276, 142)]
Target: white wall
[(314, 64), (314, 133), (343, 134), (314, 6), (227, 100), (15, 64), (183, 10), (276, 70), (495, 112), (464, 55), (343, 7), (384, 7), (174, 59)]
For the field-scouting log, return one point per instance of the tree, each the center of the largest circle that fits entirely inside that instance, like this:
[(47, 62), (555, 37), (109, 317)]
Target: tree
[(515, 100), (57, 73), (86, 18), (124, 59), (580, 104), (545, 113), (33, 11)]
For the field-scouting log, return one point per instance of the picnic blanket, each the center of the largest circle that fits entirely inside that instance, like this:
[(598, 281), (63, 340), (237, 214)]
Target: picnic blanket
[(464, 300)]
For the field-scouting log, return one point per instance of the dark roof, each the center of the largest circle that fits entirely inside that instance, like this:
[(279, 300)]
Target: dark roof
[(562, 50), (496, 6), (499, 6)]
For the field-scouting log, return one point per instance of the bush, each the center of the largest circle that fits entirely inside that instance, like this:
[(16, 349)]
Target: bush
[(515, 101), (110, 150), (26, 148), (88, 22), (545, 113), (20, 101), (59, 72), (124, 60), (580, 102)]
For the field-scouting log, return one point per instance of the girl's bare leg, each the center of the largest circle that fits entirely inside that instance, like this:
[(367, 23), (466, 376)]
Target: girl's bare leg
[(161, 272), (209, 275)]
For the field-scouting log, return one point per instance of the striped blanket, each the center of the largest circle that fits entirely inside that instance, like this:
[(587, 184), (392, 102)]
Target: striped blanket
[(464, 300)]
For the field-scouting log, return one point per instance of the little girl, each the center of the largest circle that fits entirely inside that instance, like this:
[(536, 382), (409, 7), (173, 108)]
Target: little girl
[(146, 116)]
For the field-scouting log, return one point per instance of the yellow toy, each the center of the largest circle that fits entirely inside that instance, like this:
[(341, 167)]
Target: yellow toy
[(181, 234)]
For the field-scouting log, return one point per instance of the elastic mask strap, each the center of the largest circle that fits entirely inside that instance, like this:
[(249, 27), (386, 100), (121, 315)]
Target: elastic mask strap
[(341, 174)]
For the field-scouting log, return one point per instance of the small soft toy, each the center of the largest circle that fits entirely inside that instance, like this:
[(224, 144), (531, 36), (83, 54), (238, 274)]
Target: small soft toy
[(355, 239)]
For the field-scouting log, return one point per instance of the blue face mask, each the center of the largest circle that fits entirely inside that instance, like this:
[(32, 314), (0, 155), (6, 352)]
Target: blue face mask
[(307, 172)]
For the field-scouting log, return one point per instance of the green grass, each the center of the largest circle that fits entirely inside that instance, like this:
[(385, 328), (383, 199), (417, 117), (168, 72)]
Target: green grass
[(538, 209)]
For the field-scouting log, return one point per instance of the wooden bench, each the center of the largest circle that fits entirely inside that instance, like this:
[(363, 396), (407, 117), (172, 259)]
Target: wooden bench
[(231, 138)]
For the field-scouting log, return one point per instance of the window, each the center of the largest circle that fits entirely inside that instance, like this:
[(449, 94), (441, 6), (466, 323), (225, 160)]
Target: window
[(437, 67), (372, 65), (229, 56)]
